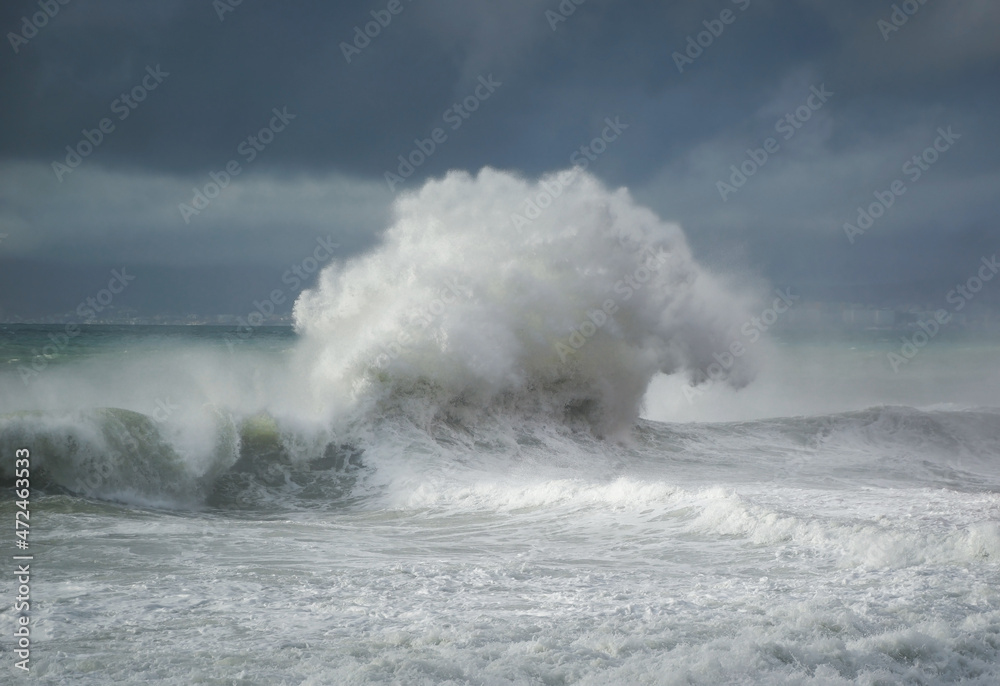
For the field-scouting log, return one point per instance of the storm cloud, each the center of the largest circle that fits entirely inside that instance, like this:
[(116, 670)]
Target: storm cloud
[(117, 115)]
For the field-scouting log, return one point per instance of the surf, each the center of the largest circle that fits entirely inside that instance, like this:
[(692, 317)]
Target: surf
[(460, 312)]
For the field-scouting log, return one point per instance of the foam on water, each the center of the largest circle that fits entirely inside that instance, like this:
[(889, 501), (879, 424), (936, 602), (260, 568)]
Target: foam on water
[(421, 490)]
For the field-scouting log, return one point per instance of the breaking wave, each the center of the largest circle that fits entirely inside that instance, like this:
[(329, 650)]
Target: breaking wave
[(468, 306)]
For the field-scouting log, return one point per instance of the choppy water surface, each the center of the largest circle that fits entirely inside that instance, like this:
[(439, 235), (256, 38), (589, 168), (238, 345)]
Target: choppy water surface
[(212, 545)]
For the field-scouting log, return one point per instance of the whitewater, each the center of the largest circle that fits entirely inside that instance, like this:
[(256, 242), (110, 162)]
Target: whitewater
[(499, 450)]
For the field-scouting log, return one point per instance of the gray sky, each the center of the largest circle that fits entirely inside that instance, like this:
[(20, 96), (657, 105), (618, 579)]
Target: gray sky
[(208, 82)]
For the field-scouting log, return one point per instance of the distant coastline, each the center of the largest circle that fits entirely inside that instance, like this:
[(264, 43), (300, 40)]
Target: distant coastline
[(808, 316)]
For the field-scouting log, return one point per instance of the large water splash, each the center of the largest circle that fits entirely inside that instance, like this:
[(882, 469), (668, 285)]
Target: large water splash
[(488, 293)]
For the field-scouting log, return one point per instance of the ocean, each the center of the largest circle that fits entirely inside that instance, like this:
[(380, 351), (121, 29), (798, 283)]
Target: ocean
[(178, 539), (562, 453)]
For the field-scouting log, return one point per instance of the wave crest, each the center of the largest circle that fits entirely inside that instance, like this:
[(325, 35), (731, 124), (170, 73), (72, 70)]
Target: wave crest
[(569, 314)]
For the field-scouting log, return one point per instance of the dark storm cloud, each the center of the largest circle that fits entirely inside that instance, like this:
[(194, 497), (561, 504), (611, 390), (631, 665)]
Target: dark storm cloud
[(560, 79), (225, 76)]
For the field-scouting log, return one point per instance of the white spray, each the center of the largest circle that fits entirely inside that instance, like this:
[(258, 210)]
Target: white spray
[(465, 308)]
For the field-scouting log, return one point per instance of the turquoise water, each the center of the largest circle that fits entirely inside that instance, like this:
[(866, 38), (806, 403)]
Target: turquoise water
[(56, 344)]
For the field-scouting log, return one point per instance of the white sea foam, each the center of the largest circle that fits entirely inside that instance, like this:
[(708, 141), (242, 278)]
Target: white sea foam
[(570, 315)]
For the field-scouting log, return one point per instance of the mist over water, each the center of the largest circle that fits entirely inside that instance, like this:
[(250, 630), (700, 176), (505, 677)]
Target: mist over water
[(496, 311), (472, 308), (508, 451), (835, 372)]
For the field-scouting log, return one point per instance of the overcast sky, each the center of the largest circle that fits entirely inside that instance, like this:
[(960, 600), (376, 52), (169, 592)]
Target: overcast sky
[(180, 85)]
